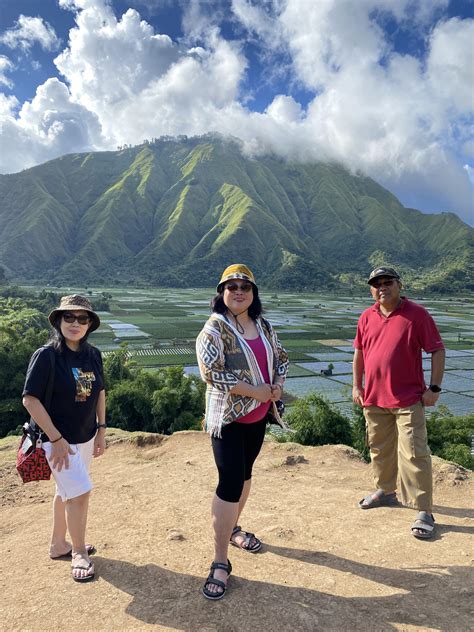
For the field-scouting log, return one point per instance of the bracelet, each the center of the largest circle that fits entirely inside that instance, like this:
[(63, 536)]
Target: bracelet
[(101, 425), (58, 439)]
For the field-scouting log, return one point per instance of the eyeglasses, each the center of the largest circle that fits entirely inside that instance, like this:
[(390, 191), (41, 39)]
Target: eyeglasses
[(379, 284), (235, 287), (83, 319)]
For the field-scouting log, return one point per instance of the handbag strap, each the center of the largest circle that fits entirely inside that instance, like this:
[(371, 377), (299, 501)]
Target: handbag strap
[(48, 396)]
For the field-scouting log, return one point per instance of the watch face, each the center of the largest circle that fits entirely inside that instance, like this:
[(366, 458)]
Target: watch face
[(434, 388)]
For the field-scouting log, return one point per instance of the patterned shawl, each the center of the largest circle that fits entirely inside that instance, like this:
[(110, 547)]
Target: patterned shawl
[(224, 357)]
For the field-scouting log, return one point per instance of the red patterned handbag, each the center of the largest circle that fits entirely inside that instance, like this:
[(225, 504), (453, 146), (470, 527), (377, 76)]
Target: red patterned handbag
[(31, 460)]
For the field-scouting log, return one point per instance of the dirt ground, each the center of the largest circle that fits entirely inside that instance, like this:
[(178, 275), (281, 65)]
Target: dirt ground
[(325, 564)]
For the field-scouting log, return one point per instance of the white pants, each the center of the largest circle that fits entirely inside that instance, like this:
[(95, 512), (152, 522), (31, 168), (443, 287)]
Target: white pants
[(74, 481)]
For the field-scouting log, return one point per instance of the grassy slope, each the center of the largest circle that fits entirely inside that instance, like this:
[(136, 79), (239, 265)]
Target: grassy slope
[(191, 205)]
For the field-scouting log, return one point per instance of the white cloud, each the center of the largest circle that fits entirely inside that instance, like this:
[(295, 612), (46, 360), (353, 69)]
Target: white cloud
[(29, 31), (5, 66), (401, 120), (450, 63), (48, 126)]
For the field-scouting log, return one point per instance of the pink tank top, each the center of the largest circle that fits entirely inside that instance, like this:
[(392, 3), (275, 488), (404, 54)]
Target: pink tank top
[(260, 353)]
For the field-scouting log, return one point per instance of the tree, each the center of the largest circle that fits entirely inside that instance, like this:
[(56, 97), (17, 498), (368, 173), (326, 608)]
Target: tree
[(162, 401), (128, 408), (22, 331), (117, 367), (317, 423), (449, 436), (179, 403)]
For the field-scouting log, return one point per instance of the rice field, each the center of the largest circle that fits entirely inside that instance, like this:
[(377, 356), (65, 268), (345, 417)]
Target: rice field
[(159, 327)]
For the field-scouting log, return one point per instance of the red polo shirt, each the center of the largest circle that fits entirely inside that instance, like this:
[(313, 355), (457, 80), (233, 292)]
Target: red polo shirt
[(391, 347)]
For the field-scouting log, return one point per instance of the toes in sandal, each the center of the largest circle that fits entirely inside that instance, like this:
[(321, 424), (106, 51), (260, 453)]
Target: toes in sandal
[(85, 578), (424, 523), (379, 499), (247, 544), (214, 596)]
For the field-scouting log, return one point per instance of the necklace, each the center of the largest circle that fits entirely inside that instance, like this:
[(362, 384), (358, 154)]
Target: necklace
[(238, 325)]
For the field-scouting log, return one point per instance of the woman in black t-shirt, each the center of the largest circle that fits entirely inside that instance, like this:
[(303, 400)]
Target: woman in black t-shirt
[(64, 394)]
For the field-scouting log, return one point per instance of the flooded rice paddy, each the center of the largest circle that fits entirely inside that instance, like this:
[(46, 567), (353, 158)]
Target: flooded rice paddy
[(160, 327)]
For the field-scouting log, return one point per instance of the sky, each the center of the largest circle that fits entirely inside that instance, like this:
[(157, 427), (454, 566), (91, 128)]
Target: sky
[(384, 87)]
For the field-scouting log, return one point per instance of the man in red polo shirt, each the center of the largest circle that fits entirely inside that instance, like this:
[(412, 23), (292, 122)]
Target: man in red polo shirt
[(388, 383)]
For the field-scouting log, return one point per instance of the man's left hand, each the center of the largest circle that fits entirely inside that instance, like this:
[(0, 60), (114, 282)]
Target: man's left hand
[(429, 398)]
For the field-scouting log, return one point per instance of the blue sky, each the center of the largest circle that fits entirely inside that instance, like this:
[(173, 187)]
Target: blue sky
[(381, 86)]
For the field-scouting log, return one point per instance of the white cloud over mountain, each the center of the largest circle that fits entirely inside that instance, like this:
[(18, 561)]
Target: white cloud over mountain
[(403, 120), (29, 31)]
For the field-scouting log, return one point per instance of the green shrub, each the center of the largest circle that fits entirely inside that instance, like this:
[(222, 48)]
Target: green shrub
[(459, 454), (450, 436), (316, 423), (359, 438)]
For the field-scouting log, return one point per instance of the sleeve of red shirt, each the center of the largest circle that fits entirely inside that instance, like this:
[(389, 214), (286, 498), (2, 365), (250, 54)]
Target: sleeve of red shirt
[(430, 338)]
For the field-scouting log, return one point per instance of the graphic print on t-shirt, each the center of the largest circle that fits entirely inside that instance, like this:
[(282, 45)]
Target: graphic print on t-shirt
[(84, 381)]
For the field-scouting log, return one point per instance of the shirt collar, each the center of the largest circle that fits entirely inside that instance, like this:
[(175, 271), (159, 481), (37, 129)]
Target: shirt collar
[(400, 307)]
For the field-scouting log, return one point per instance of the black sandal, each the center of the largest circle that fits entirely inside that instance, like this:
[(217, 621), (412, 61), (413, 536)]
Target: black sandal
[(257, 544), (216, 582), (379, 499)]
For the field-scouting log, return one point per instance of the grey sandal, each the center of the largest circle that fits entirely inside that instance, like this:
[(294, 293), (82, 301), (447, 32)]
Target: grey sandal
[(381, 500), (425, 523), (248, 537), (214, 596)]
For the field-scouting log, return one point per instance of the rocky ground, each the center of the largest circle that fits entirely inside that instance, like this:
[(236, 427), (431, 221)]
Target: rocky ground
[(325, 565)]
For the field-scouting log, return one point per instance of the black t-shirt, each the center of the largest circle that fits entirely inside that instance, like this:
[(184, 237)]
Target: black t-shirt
[(78, 380)]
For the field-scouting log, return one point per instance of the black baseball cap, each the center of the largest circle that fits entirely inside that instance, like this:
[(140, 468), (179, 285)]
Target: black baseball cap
[(383, 272)]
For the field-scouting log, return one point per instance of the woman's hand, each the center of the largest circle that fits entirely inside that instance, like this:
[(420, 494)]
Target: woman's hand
[(262, 393), (99, 443), (277, 391), (60, 451)]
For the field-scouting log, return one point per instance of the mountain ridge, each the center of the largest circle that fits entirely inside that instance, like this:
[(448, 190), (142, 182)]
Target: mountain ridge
[(171, 208)]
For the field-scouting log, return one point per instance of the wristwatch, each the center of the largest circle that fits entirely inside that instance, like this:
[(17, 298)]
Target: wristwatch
[(434, 388)]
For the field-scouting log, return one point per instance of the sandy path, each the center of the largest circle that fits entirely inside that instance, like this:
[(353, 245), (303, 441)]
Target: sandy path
[(326, 565)]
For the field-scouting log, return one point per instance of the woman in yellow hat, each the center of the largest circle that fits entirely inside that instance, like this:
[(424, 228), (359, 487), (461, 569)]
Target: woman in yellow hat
[(64, 394), (244, 365)]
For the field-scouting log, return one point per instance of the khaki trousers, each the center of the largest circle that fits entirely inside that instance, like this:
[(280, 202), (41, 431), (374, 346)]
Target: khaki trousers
[(398, 444)]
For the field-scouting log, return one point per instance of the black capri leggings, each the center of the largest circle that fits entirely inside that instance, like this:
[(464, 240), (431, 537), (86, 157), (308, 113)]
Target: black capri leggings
[(234, 455)]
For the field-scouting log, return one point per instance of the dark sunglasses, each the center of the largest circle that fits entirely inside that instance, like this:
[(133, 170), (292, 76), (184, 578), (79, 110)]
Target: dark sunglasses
[(378, 284), (83, 319), (235, 287)]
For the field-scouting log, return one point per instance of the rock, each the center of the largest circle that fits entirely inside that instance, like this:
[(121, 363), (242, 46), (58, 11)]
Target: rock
[(175, 535), (293, 460)]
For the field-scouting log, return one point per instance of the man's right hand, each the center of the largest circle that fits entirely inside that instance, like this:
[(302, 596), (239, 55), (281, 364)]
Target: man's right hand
[(60, 451), (262, 393), (358, 396)]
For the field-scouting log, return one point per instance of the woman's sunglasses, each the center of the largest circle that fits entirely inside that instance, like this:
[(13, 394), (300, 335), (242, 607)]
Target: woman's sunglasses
[(235, 287), (83, 319)]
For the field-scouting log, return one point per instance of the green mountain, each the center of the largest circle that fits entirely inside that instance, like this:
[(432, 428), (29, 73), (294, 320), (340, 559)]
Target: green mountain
[(177, 211)]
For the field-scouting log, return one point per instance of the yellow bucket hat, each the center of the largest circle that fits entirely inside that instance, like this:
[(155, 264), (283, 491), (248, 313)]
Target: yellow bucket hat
[(237, 271)]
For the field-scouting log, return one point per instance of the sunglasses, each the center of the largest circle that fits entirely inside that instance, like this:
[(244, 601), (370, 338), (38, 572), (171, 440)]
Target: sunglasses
[(83, 319), (235, 287), (379, 284)]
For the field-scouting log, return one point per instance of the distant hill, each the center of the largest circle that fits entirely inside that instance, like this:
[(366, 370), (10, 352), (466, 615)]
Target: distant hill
[(176, 211)]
